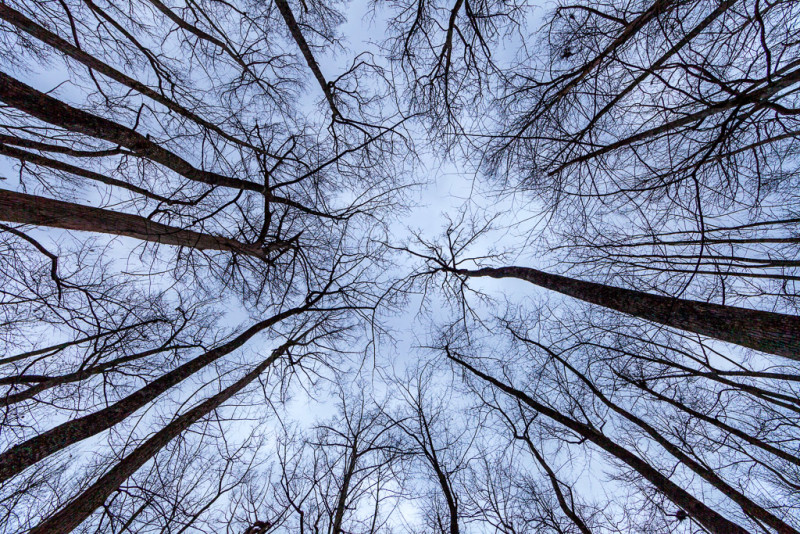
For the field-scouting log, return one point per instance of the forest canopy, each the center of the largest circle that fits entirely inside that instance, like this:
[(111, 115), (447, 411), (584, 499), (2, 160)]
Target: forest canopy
[(400, 266)]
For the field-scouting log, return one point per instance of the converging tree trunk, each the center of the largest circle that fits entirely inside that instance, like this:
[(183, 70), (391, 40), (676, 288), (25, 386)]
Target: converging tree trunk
[(51, 110), (41, 211), (74, 513), (42, 383), (27, 453), (775, 333), (344, 491), (748, 506), (704, 515)]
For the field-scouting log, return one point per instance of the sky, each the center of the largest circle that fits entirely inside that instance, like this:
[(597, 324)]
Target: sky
[(447, 187)]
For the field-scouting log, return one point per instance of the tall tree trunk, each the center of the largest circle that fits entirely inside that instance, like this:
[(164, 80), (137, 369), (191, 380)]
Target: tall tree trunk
[(755, 97), (51, 110), (704, 515), (341, 503), (25, 454), (655, 66), (41, 211), (748, 506), (775, 333), (302, 44), (74, 513), (22, 22), (43, 383)]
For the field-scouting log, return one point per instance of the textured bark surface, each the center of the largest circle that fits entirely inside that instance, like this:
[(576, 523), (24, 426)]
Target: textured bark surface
[(775, 333), (72, 515), (25, 454), (30, 209)]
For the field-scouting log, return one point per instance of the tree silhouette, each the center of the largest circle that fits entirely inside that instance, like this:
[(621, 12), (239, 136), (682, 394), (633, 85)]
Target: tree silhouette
[(222, 311)]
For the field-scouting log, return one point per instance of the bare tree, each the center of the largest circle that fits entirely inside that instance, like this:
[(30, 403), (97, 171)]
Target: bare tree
[(704, 417), (770, 332), (183, 128), (199, 241), (441, 445)]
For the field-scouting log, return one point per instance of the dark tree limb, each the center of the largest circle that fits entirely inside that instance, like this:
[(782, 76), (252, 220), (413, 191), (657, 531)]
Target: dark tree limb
[(41, 211), (770, 332)]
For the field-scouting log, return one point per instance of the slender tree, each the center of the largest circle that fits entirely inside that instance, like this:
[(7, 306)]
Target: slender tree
[(769, 332), (204, 276)]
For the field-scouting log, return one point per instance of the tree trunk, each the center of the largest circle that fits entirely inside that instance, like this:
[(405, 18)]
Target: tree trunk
[(749, 507), (25, 454), (51, 110), (73, 514), (775, 333), (756, 97), (43, 383), (704, 515), (341, 503), (29, 209), (22, 22), (302, 44)]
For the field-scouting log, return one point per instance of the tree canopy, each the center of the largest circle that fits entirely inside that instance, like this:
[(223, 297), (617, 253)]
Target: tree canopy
[(400, 266)]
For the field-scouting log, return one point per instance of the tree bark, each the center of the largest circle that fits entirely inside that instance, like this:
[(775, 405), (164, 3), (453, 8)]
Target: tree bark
[(341, 503), (22, 22), (774, 333), (51, 110), (74, 513), (41, 211), (748, 506), (302, 44), (25, 454), (704, 515), (43, 383)]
